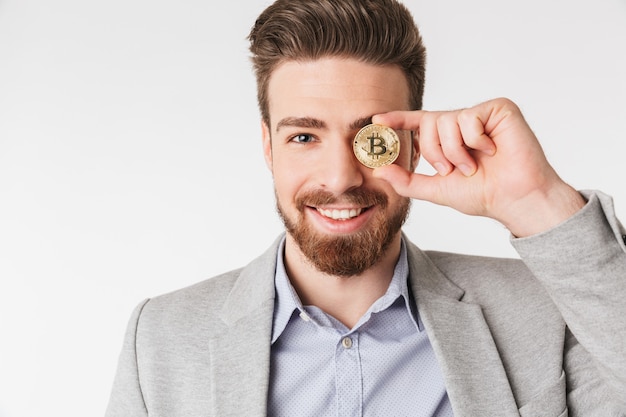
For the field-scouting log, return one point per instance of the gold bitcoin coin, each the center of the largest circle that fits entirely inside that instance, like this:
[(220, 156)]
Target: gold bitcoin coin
[(376, 145)]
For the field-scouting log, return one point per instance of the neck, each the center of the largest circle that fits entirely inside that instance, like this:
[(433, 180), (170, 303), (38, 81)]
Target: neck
[(344, 298)]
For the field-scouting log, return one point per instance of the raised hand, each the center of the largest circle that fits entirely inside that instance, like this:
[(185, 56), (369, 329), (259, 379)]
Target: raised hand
[(490, 164)]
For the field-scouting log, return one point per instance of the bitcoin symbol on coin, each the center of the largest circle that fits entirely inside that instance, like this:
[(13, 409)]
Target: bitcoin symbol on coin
[(376, 145)]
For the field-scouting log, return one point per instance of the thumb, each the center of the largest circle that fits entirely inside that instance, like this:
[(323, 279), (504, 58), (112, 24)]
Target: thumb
[(406, 183)]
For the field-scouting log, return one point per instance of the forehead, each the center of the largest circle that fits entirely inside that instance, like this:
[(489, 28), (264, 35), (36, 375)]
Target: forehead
[(334, 87)]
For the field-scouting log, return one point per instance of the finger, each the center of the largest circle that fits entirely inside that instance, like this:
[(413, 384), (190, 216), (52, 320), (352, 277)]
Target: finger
[(400, 120), (417, 186), (453, 145), (405, 183), (473, 131), (430, 144)]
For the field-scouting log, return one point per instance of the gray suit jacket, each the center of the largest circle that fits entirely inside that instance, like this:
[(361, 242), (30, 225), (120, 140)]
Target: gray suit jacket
[(545, 336)]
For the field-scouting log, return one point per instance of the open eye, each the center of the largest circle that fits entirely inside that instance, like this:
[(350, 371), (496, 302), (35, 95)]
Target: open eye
[(302, 138)]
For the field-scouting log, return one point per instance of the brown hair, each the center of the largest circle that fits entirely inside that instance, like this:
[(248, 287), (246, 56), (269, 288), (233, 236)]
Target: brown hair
[(379, 32)]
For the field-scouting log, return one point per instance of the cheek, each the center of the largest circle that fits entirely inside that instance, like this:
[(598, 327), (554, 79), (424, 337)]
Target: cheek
[(288, 180), (294, 169)]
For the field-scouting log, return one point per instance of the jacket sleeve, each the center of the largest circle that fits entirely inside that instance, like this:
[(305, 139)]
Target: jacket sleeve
[(582, 265), (126, 397)]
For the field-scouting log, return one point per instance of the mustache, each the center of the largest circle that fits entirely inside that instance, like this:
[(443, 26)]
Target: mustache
[(360, 196)]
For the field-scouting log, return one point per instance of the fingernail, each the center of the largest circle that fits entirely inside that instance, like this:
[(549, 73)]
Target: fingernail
[(441, 169), (466, 170), (490, 151)]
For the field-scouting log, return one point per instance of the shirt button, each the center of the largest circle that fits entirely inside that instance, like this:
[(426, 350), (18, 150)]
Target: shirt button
[(346, 342)]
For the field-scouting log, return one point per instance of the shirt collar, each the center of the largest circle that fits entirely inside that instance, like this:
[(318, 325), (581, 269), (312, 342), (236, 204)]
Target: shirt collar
[(287, 301)]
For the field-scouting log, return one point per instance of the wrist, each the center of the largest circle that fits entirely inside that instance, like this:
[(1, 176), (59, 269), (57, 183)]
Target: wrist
[(543, 210)]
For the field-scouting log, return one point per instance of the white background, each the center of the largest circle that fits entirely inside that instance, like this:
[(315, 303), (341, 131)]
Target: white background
[(130, 156)]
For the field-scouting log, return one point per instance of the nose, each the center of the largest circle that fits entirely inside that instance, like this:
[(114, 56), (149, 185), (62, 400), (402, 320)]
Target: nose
[(339, 170)]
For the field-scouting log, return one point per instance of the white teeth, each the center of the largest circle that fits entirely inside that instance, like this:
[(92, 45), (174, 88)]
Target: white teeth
[(340, 214)]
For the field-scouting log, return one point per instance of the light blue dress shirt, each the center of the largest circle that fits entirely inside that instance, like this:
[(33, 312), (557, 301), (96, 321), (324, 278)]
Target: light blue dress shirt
[(384, 366)]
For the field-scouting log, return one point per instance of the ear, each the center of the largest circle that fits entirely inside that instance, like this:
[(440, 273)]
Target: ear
[(267, 145), (415, 150)]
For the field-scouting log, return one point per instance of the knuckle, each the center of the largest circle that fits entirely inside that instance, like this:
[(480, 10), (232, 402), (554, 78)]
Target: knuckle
[(466, 116), (505, 103)]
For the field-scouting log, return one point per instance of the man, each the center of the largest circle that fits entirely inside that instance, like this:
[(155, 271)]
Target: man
[(343, 315)]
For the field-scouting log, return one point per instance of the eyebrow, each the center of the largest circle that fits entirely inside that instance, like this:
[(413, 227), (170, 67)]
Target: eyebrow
[(362, 122), (313, 123), (306, 122)]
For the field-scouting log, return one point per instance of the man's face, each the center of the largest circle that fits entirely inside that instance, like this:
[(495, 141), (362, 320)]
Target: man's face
[(340, 217)]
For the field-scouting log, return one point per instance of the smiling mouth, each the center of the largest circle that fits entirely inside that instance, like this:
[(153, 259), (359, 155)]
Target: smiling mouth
[(343, 214)]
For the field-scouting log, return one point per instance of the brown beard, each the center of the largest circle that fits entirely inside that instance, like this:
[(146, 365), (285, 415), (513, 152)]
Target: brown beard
[(347, 255)]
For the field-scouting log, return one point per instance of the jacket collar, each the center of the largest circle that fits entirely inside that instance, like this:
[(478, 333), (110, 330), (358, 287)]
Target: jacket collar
[(240, 356), (475, 378)]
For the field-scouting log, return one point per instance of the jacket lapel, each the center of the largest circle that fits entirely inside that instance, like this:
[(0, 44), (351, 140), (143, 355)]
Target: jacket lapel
[(240, 356), (475, 378)]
